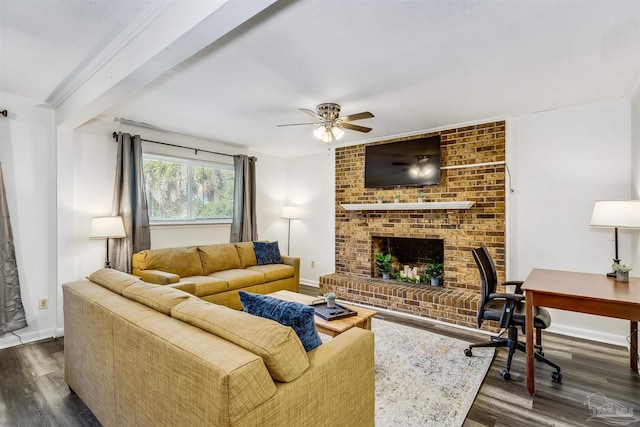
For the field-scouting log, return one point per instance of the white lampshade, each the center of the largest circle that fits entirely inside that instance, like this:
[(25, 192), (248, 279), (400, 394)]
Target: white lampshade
[(290, 212), (616, 213), (337, 132), (320, 132), (107, 227), (328, 137)]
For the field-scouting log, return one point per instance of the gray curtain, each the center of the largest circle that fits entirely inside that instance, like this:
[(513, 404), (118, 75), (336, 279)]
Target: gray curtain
[(244, 227), (129, 202), (12, 314)]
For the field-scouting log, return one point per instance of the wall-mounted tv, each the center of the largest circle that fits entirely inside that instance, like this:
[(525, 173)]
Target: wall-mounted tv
[(404, 163)]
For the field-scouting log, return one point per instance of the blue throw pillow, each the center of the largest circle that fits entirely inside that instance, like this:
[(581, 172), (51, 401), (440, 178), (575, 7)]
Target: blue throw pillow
[(267, 253), (297, 316)]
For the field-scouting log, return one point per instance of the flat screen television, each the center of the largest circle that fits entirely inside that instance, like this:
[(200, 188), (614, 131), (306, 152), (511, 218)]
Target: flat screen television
[(404, 163)]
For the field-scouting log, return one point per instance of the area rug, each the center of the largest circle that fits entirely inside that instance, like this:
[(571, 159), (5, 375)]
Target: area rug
[(424, 379)]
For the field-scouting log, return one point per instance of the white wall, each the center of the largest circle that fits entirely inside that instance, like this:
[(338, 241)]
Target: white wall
[(27, 153), (86, 177), (311, 186), (635, 172), (562, 161)]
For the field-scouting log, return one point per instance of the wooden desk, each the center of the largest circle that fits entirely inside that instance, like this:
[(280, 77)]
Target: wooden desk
[(582, 293)]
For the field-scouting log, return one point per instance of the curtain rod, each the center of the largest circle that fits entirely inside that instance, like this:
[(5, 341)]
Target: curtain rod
[(196, 150)]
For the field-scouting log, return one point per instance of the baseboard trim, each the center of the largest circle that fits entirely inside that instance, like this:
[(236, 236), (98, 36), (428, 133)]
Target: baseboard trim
[(313, 283), (11, 340), (589, 335)]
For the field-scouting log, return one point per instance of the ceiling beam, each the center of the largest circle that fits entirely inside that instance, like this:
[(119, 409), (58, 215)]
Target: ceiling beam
[(175, 34)]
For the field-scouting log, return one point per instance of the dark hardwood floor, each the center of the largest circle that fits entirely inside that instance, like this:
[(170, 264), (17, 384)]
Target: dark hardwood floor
[(587, 367), (33, 391)]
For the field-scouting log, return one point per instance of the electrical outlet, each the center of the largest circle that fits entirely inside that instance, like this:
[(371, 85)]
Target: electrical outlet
[(313, 264), (43, 303)]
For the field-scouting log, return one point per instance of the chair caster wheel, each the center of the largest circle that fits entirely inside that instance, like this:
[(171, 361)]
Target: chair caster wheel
[(505, 375), (556, 377), (467, 352)]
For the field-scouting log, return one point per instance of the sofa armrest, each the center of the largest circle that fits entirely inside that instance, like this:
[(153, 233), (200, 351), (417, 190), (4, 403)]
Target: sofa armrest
[(295, 263), (341, 379), (156, 276)]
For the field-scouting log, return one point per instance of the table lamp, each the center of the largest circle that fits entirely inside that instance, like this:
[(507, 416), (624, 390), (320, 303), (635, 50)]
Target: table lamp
[(107, 227), (289, 212), (616, 214)]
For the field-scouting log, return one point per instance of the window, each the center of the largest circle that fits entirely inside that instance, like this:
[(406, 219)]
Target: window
[(187, 190)]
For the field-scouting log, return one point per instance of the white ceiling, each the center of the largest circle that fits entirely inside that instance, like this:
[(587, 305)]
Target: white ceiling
[(415, 64)]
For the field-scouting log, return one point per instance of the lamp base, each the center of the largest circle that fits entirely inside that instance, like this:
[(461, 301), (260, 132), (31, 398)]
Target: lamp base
[(107, 264), (611, 274)]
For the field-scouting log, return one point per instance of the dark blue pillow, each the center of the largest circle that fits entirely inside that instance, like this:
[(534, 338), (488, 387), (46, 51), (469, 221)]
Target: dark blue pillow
[(267, 253), (293, 314)]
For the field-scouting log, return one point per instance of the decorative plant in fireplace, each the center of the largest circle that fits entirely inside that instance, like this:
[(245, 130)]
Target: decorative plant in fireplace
[(383, 262), (434, 272)]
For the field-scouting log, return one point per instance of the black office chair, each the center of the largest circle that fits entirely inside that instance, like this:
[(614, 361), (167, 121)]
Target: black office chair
[(509, 311)]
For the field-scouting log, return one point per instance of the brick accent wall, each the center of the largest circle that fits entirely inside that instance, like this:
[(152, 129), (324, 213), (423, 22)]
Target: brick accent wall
[(462, 230)]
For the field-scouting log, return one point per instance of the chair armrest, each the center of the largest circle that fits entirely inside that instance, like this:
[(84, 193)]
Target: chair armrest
[(507, 313), (507, 309), (516, 283), (510, 297)]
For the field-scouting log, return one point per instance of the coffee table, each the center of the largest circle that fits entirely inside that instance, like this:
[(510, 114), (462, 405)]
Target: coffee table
[(331, 327)]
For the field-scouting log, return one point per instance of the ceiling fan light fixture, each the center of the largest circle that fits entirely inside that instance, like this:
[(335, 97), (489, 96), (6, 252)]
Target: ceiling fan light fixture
[(337, 132), (320, 132), (329, 124)]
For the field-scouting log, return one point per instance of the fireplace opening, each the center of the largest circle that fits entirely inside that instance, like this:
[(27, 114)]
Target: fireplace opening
[(407, 254)]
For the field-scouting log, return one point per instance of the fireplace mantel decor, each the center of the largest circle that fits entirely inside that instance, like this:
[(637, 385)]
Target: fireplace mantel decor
[(407, 206)]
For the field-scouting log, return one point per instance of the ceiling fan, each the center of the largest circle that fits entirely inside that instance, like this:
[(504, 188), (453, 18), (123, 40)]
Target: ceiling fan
[(330, 124)]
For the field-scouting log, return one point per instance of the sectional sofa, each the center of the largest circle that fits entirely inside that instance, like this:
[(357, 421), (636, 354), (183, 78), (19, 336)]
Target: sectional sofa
[(216, 273), (141, 354)]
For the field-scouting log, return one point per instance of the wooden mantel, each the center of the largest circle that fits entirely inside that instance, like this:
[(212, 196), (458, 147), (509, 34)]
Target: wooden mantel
[(407, 206)]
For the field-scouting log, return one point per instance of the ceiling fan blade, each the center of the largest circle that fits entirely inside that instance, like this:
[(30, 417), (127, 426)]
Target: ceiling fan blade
[(311, 114), (359, 116), (356, 127), (296, 124)]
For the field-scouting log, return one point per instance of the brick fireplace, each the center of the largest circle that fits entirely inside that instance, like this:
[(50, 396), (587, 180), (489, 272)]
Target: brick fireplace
[(473, 170), (408, 252)]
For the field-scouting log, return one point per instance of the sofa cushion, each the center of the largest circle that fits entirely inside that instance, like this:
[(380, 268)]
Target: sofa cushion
[(158, 297), (267, 253), (223, 256), (298, 316), (156, 276), (207, 285), (181, 261), (273, 272), (113, 280), (239, 278), (278, 346), (247, 254)]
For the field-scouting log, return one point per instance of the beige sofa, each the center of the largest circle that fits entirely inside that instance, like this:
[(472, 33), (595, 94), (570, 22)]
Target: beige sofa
[(140, 354), (218, 272)]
